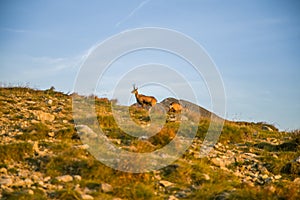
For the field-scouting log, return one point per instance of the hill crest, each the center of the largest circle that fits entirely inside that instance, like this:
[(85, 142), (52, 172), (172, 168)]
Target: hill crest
[(49, 161)]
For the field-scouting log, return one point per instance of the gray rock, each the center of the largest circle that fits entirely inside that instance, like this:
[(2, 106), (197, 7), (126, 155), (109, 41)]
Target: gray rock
[(65, 178), (172, 198), (31, 192), (297, 181), (43, 116), (22, 183), (5, 181), (46, 179), (260, 182), (206, 177), (222, 196), (49, 102), (165, 183), (83, 146), (86, 197), (297, 160), (181, 194), (277, 177), (105, 187), (77, 178), (85, 131), (51, 134), (266, 128)]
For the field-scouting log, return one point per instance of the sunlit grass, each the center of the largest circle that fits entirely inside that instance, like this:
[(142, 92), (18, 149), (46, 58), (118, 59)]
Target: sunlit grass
[(187, 173)]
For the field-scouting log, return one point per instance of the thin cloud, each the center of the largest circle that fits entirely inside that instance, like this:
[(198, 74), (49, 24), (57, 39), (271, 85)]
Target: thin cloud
[(141, 5), (15, 30), (44, 65)]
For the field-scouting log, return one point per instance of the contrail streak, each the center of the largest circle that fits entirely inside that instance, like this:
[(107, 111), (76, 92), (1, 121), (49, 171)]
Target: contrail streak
[(132, 12)]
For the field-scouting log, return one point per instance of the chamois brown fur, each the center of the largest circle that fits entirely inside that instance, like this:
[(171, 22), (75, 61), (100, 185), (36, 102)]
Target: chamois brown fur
[(143, 99), (175, 107)]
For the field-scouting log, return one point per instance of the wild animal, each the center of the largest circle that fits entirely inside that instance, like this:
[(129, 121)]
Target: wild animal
[(175, 107), (143, 100)]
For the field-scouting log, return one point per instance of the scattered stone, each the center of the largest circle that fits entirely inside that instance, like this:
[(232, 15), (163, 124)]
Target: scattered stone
[(264, 170), (85, 131), (19, 183), (49, 102), (181, 194), (165, 183), (265, 176), (105, 187), (5, 181), (172, 198), (59, 187), (42, 116), (35, 147), (222, 196), (260, 182), (218, 162), (83, 146), (269, 180), (46, 179), (275, 156), (266, 128), (77, 178), (3, 170), (297, 181), (65, 178), (86, 197), (51, 134), (86, 190), (116, 141), (30, 192), (206, 177), (36, 177), (21, 114), (277, 177)]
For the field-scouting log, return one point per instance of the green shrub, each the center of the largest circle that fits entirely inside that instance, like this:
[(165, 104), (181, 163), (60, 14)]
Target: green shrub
[(34, 132), (16, 151)]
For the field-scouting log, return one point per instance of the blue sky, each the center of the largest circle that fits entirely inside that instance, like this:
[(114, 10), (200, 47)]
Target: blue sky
[(255, 45)]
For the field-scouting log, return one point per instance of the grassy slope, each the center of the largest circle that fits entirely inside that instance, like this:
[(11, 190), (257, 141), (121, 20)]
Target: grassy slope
[(188, 174)]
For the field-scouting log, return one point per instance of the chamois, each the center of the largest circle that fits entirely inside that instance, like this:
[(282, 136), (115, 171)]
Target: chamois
[(175, 107), (143, 99)]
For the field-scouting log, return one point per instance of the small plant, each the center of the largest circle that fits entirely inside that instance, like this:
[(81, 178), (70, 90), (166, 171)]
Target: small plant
[(34, 132), (18, 151)]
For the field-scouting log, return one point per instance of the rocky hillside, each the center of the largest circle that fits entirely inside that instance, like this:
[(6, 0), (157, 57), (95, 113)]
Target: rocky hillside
[(42, 156)]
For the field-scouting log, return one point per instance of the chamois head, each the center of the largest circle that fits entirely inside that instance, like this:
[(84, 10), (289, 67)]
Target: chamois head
[(175, 107), (135, 90)]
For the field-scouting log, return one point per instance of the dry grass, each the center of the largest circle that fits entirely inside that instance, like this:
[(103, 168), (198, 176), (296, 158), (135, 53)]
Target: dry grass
[(187, 173)]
